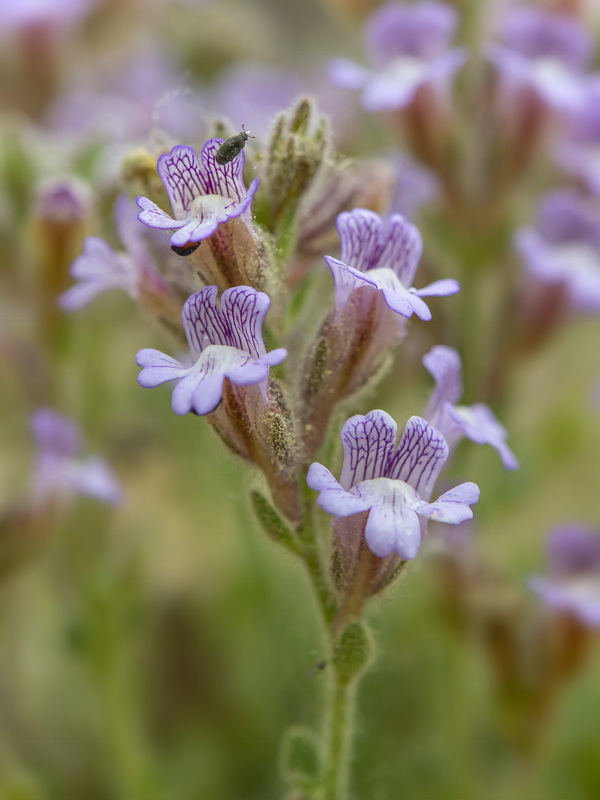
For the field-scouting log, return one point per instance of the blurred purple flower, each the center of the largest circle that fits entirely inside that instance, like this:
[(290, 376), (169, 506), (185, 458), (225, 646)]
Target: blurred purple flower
[(415, 187), (100, 269), (257, 92), (392, 484), (224, 342), (564, 248), (546, 52), (60, 468), (476, 422), (384, 256), (62, 199), (409, 48), (579, 151), (203, 195), (16, 14), (573, 579)]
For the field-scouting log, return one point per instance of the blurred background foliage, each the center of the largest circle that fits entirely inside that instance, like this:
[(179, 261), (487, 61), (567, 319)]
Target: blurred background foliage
[(160, 649)]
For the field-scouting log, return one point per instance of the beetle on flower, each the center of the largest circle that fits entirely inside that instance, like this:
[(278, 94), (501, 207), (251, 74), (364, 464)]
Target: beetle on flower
[(203, 193)]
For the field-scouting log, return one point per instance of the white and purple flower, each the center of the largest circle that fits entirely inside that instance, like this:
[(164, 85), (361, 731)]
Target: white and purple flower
[(393, 484), (61, 470), (476, 422), (100, 269), (573, 580), (409, 47), (564, 247), (546, 52), (203, 194), (384, 256), (224, 342)]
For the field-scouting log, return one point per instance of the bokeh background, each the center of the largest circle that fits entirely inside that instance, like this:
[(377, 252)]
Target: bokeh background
[(161, 648)]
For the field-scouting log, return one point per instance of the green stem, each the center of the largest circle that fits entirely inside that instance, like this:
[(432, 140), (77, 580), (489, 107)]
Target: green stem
[(339, 726)]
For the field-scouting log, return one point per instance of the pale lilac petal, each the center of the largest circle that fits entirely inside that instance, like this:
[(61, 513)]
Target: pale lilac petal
[(94, 478), (441, 288), (578, 596), (480, 425), (202, 321), (421, 454), (452, 507), (443, 363), (154, 217), (158, 368), (347, 74), (97, 260), (81, 294), (180, 173), (536, 33), (198, 227), (345, 280), (333, 499), (368, 442), (393, 527), (573, 548), (244, 310), (55, 434)]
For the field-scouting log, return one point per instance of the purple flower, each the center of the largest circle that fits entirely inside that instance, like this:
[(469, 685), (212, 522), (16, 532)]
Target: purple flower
[(564, 248), (476, 422), (392, 484), (579, 151), (546, 52), (203, 194), (224, 342), (573, 579), (100, 269), (409, 48), (384, 256), (61, 469), (62, 200)]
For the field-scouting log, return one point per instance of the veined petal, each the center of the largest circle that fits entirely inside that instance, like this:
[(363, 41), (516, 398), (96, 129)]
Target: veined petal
[(401, 249), (419, 457), (154, 217), (333, 498), (196, 228), (345, 280), (244, 310), (226, 180), (360, 232), (180, 173), (368, 442)]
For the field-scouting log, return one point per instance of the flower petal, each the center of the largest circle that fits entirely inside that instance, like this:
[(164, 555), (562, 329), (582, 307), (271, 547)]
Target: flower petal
[(393, 527), (154, 217), (453, 506), (368, 442), (479, 424), (333, 498), (226, 180), (419, 457), (443, 363), (158, 368), (181, 175)]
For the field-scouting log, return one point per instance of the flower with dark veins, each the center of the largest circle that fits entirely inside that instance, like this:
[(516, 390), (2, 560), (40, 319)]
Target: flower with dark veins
[(573, 580), (203, 193), (392, 484), (409, 48), (477, 422), (564, 247), (384, 256), (61, 470), (224, 342)]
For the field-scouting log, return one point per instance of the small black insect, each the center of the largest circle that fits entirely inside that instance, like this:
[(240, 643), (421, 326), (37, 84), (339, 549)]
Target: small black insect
[(186, 250), (232, 147)]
